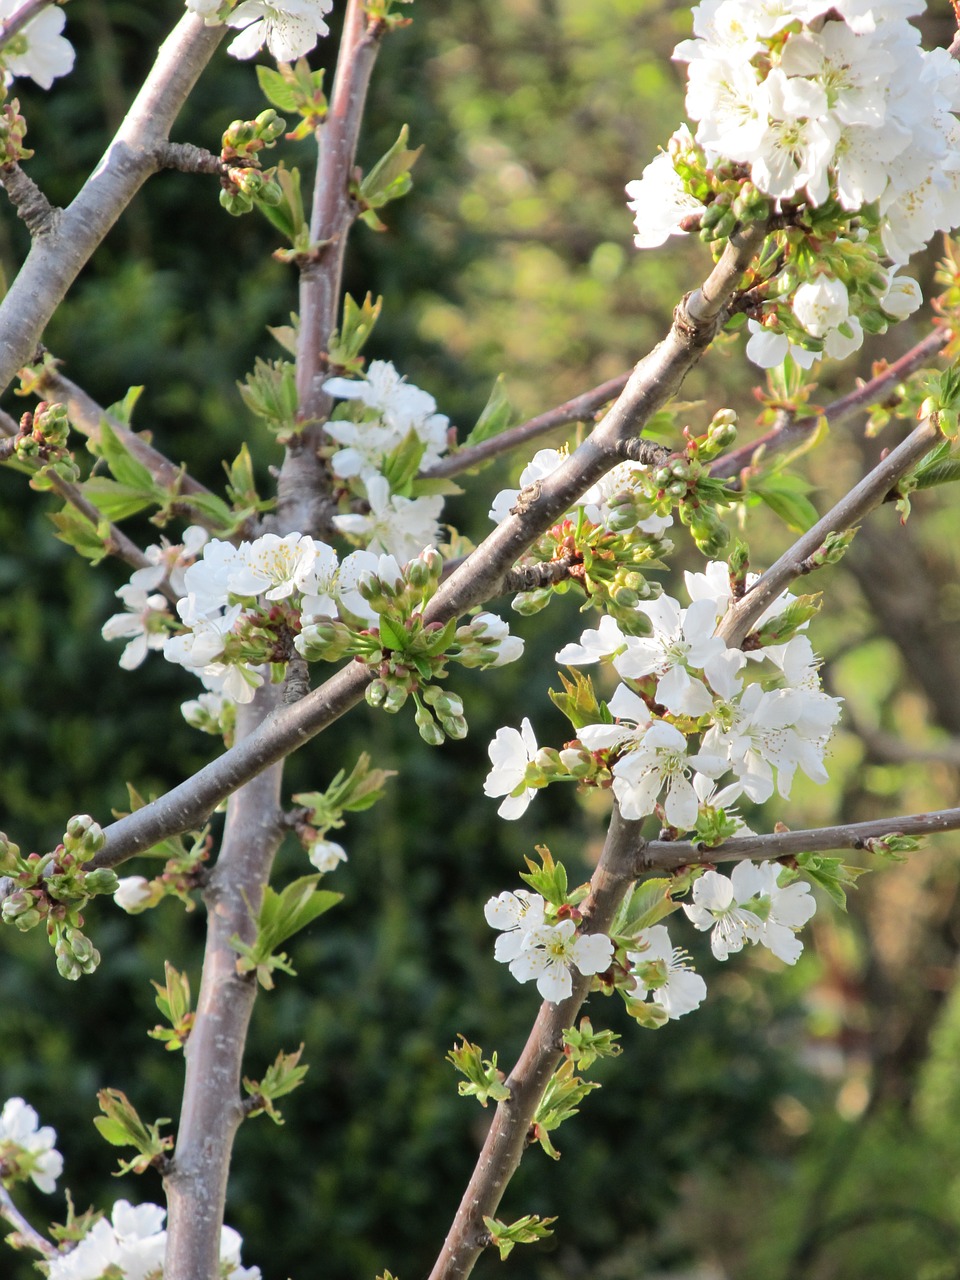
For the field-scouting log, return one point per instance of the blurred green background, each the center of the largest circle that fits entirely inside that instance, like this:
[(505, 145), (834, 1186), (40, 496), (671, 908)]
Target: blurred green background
[(804, 1123)]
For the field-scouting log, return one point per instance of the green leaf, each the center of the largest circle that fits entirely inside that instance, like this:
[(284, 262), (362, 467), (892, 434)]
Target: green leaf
[(116, 501), (123, 466), (393, 635), (77, 531), (785, 495), (123, 409), (496, 416), (389, 179), (649, 903), (277, 89), (402, 464)]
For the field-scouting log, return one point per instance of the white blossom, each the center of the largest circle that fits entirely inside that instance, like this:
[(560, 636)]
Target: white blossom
[(399, 526), (715, 907), (549, 951), (29, 1145), (659, 201), (132, 893), (326, 855), (38, 50), (780, 911), (288, 29), (510, 752), (664, 972), (515, 915), (143, 624)]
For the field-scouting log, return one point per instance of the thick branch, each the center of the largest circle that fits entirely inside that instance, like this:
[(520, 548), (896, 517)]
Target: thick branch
[(791, 430), (303, 491), (668, 855), (509, 1131), (869, 493), (212, 1107), (58, 255)]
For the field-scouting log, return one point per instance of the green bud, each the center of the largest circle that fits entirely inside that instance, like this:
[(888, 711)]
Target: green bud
[(102, 880), (626, 598), (429, 730), (396, 697), (376, 693), (27, 920), (270, 126), (528, 603), (235, 202)]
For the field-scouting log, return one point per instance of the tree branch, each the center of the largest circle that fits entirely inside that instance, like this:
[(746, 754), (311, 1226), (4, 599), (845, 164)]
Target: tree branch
[(790, 430), (25, 1235), (212, 1109), (869, 493), (303, 491), (509, 1131), (87, 416), (57, 257), (579, 409), (669, 855), (33, 208)]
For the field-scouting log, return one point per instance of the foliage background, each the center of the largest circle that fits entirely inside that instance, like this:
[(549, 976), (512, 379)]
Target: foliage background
[(804, 1123)]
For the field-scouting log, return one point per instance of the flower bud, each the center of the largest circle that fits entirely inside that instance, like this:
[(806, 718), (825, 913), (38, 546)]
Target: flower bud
[(395, 698), (101, 880), (376, 693), (429, 730)]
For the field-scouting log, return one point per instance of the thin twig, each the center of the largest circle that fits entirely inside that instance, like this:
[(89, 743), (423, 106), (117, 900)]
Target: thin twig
[(869, 493), (33, 208), (26, 1235), (791, 430), (668, 855), (56, 258), (87, 417), (579, 409)]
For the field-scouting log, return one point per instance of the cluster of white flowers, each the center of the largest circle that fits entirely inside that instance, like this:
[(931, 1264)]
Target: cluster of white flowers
[(750, 906), (144, 621), (761, 735), (131, 1243), (535, 949), (38, 50), (389, 413), (289, 30), (596, 502), (28, 1148), (821, 101)]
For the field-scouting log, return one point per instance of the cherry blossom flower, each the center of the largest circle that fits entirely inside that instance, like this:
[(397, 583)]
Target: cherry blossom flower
[(272, 566), (594, 645), (659, 202), (682, 638), (38, 50), (133, 893), (27, 1147), (510, 752), (715, 907), (399, 526), (664, 972), (143, 624), (326, 855), (400, 408), (780, 911), (288, 29), (170, 561), (549, 951), (660, 762), (515, 915)]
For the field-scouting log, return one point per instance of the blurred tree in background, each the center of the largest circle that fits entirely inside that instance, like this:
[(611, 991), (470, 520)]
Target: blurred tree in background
[(805, 1123)]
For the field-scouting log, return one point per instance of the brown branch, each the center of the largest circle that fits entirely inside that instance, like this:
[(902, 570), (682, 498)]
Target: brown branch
[(531, 577), (669, 855), (869, 493), (32, 207), (510, 1128), (86, 416), (303, 493), (579, 409), (57, 257), (212, 1108), (187, 158), (790, 430), (25, 1236)]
